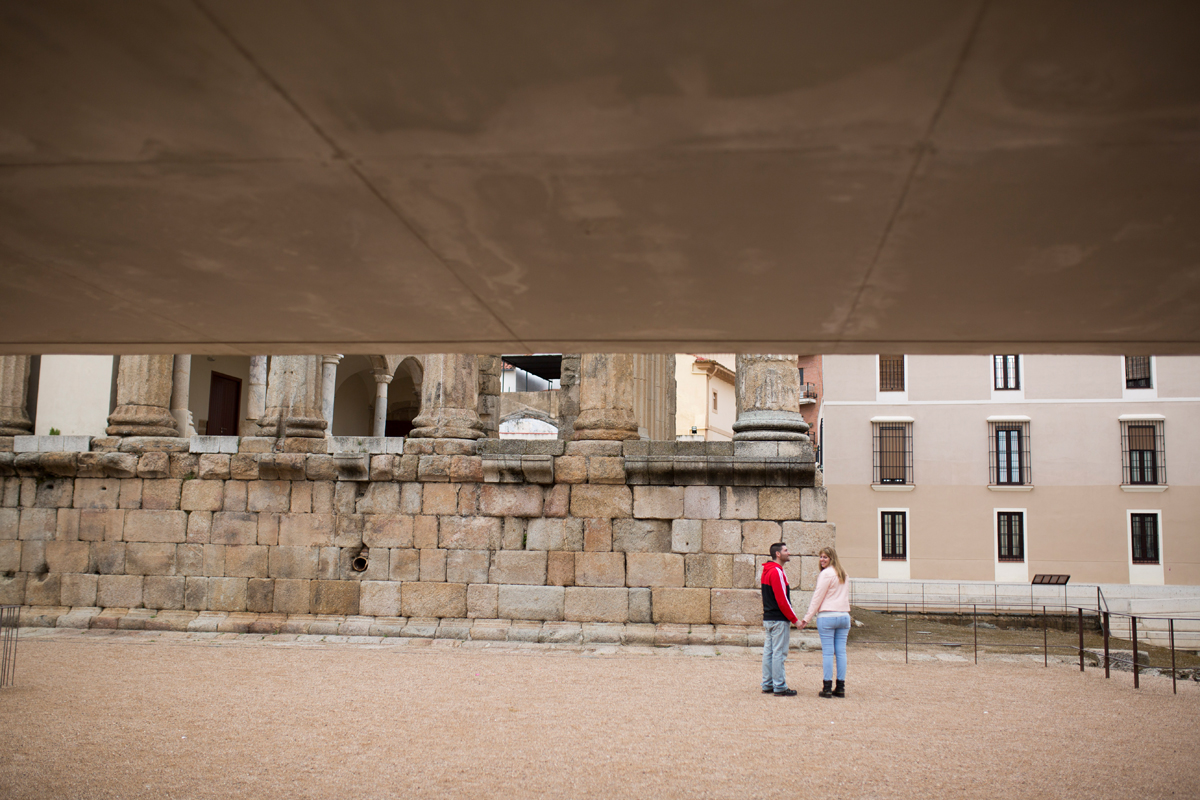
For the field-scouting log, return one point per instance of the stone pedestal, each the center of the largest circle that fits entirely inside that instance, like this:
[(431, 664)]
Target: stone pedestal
[(181, 387), (449, 399), (14, 385), (329, 365), (768, 399), (606, 397), (382, 379), (294, 399), (144, 397)]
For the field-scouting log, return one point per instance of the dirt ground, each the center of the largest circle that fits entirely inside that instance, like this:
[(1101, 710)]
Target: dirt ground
[(171, 715)]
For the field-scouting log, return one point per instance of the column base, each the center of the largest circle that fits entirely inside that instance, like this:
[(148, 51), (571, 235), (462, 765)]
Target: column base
[(131, 420), (293, 427), (596, 425), (771, 426), (449, 423)]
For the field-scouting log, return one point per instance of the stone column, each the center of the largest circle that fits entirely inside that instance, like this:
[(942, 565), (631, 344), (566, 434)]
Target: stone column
[(294, 399), (449, 399), (256, 401), (143, 397), (181, 388), (606, 397), (768, 399), (329, 365), (14, 386), (382, 379)]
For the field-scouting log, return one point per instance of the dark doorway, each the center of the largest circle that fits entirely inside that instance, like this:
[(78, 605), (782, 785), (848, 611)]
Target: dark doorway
[(224, 405), (397, 427)]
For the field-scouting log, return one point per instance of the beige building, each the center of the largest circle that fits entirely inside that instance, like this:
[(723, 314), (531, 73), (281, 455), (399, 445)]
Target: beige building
[(978, 468), (705, 397)]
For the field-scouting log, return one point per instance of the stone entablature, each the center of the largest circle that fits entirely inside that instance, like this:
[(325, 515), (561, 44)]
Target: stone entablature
[(589, 531)]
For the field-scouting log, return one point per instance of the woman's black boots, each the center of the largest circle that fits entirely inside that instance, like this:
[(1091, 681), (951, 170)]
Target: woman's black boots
[(840, 689), (826, 686)]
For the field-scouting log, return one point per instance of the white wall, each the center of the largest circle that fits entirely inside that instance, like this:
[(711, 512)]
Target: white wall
[(74, 395)]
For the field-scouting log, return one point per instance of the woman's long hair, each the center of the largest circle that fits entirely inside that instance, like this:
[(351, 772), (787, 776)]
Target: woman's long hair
[(833, 562)]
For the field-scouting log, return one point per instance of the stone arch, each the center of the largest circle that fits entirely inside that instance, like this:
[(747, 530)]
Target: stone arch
[(528, 423)]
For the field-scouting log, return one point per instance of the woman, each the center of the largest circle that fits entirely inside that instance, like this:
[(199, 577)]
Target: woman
[(831, 604)]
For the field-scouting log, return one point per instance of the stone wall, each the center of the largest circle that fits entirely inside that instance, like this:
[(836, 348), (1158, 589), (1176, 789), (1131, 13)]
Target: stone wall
[(615, 532)]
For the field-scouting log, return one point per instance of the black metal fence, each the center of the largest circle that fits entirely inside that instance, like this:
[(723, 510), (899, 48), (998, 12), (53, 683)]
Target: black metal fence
[(10, 617)]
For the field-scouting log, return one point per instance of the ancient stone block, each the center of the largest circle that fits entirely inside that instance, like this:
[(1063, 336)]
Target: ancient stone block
[(268, 529), (246, 561), (195, 594), (97, 525), (606, 469), (658, 502), (814, 504), (43, 590), (736, 606), (161, 494), (301, 502), (244, 467), (380, 498), (68, 556), (512, 535), (268, 496), (199, 527), (807, 538), (527, 567), (291, 596), (38, 524), (708, 570), (410, 498), (554, 534), (382, 467), (434, 600), (778, 503), (721, 536), (467, 566), (589, 500), (10, 522), (109, 557), (334, 597), (97, 492), (570, 469), (466, 468), (641, 536), (599, 569), (739, 502), (379, 598), (640, 607), (10, 556), (654, 569), (404, 565), (597, 535), (425, 532), (483, 600), (810, 568), (213, 467), (686, 536), (586, 604), (469, 533), (531, 602), (758, 536), (189, 560), (150, 558), (433, 565), (131, 493), (260, 595), (510, 500), (322, 497), (163, 592), (433, 468), (227, 594), (406, 468), (320, 467), (681, 606), (79, 591), (232, 527), (155, 526), (468, 499), (214, 560), (235, 496), (440, 498), (55, 493), (12, 589), (202, 496), (329, 563), (33, 556), (119, 591), (306, 530), (745, 572), (560, 568), (293, 562), (388, 530), (557, 502)]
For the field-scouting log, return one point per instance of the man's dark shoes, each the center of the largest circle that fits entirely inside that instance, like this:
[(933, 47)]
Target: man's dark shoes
[(840, 689), (785, 693), (826, 687), (769, 690)]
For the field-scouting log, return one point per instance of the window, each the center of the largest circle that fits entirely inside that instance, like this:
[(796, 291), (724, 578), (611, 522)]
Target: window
[(1010, 527), (1144, 529), (1007, 371), (893, 525), (1137, 372), (801, 376), (893, 452), (891, 373), (1143, 452), (1009, 444), (714, 401)]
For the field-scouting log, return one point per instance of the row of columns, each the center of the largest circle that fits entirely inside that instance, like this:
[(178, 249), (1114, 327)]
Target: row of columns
[(294, 397)]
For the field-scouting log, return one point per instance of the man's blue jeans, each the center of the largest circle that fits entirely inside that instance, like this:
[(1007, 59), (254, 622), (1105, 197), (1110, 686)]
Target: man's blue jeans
[(777, 637), (834, 628)]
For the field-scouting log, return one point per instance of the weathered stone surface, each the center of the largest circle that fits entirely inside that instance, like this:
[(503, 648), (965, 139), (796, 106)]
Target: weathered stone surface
[(518, 567), (119, 591), (736, 607), (654, 569), (155, 526), (213, 467), (469, 533), (586, 604), (721, 536), (79, 590), (642, 536), (161, 494), (560, 568), (570, 469), (531, 602), (131, 493), (55, 493), (681, 606), (260, 595), (235, 496), (99, 525), (558, 501), (758, 536), (658, 502), (163, 592), (589, 500), (10, 556), (33, 556), (433, 565), (807, 538), (246, 561), (510, 500), (10, 523), (388, 530), (597, 534), (334, 597), (468, 499), (379, 598), (231, 527), (150, 558), (109, 557), (320, 467), (814, 504), (778, 503), (291, 596), (606, 469), (708, 570), (686, 535), (434, 600), (67, 525), (739, 502), (312, 530), (38, 524), (380, 498), (483, 601), (554, 534), (268, 496), (97, 492), (425, 531), (12, 589), (440, 498), (745, 572), (199, 527), (196, 594), (810, 569), (599, 569), (68, 556), (244, 467), (467, 566), (201, 495), (302, 495), (405, 565)]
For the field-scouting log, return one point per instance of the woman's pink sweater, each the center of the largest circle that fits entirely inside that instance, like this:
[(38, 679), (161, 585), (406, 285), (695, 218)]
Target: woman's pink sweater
[(829, 594)]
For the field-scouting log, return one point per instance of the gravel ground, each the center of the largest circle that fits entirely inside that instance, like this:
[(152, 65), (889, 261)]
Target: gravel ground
[(131, 715)]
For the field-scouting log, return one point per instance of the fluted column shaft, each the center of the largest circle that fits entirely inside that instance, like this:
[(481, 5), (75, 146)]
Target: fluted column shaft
[(294, 398), (449, 399), (256, 401), (329, 365), (14, 386), (382, 379), (768, 399), (181, 388), (144, 397), (606, 395)]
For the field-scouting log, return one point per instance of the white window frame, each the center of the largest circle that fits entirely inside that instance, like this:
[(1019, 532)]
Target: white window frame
[(894, 397), (1011, 571), (893, 569), (1140, 394), (1007, 395), (1144, 574)]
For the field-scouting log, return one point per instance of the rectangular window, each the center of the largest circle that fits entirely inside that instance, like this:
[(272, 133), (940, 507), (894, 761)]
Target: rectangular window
[(1145, 538), (1009, 444), (1137, 372), (893, 452), (1010, 527), (714, 401), (891, 373), (1007, 371), (893, 525), (1143, 452)]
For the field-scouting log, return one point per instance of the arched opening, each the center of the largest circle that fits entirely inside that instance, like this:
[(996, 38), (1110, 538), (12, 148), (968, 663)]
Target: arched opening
[(528, 424), (404, 398)]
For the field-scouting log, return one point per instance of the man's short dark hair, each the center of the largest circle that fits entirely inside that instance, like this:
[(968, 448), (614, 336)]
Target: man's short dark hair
[(775, 548)]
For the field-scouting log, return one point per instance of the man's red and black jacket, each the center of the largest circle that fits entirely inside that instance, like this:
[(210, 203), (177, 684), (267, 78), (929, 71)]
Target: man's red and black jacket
[(776, 594)]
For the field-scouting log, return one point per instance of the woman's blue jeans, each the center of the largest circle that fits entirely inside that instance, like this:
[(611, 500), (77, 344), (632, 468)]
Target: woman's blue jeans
[(834, 628)]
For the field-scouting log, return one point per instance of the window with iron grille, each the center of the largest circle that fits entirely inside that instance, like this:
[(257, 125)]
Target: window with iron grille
[(1009, 444), (1007, 370), (1010, 527), (893, 452), (891, 373), (893, 525), (1144, 529), (1137, 372), (1143, 452)]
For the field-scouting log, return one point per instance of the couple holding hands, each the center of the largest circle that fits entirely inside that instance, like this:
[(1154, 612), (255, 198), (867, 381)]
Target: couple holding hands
[(831, 606)]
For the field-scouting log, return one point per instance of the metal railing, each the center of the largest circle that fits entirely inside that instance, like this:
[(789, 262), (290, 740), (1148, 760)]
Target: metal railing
[(10, 617)]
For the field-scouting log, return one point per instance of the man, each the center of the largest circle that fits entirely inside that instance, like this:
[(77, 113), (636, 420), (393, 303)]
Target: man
[(778, 618)]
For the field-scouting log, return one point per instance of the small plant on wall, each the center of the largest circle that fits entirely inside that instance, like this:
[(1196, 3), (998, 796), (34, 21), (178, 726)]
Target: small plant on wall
[(55, 432)]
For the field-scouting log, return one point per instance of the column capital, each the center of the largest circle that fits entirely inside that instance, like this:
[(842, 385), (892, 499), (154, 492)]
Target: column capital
[(334, 359), (382, 376)]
